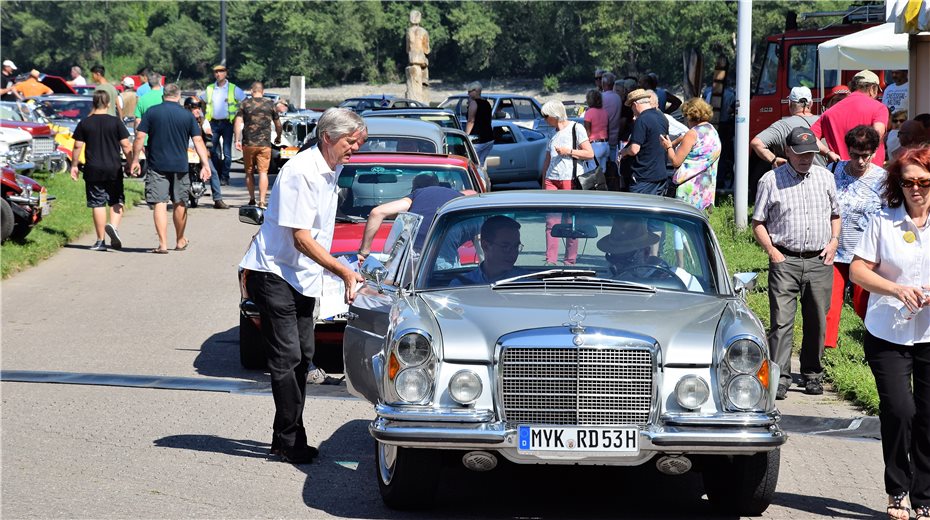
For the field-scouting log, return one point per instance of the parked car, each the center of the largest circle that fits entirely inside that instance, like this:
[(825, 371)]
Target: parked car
[(366, 181), (87, 90), (644, 350), (441, 116), (523, 110), (23, 203), (520, 153), (66, 110), (16, 149), (58, 84), (295, 128), (363, 103)]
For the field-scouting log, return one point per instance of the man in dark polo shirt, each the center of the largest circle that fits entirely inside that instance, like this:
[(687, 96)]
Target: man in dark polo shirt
[(797, 223), (650, 175), (169, 127)]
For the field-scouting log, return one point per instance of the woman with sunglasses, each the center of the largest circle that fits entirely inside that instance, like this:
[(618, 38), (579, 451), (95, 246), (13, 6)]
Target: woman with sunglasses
[(858, 193), (892, 262)]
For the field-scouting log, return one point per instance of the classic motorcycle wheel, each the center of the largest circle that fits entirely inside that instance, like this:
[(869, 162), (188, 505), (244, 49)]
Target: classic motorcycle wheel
[(61, 166), (6, 220), (407, 477), (192, 202)]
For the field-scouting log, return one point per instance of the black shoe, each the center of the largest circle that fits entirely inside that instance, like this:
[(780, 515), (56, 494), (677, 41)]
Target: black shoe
[(296, 455), (251, 202), (782, 393), (99, 245), (224, 182), (219, 204), (114, 237), (813, 387)]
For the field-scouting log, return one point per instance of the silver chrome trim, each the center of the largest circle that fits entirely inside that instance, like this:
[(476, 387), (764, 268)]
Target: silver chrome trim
[(409, 413), (755, 419)]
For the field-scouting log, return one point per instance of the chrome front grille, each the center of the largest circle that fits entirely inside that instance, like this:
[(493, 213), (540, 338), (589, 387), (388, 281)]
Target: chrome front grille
[(576, 386), (43, 145), (19, 153)]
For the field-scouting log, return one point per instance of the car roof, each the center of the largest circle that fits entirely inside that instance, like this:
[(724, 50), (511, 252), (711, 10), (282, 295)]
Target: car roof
[(387, 111), (498, 95), (374, 96), (404, 127), (409, 158), (575, 199), (64, 97)]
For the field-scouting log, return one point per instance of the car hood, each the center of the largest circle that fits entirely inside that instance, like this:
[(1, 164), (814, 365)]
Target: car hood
[(472, 319)]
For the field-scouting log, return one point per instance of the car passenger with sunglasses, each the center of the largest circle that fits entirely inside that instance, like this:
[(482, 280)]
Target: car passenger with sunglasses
[(892, 262), (858, 193)]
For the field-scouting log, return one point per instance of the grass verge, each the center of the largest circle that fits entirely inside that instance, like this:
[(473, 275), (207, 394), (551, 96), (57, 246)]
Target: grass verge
[(69, 219), (845, 366)]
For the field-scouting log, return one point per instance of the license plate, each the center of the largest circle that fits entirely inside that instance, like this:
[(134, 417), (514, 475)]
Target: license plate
[(43, 203), (289, 152), (600, 439)]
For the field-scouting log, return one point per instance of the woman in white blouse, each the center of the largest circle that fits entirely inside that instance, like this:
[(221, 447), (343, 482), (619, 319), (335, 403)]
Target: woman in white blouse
[(892, 262)]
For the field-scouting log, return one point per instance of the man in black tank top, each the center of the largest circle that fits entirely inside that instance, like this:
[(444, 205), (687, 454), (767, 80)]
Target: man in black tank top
[(479, 122)]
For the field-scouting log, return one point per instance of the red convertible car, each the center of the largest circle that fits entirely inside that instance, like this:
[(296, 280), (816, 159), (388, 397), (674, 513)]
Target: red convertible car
[(369, 179)]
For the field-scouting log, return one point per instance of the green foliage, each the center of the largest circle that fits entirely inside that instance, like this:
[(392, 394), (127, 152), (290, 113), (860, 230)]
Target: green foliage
[(69, 219), (550, 83)]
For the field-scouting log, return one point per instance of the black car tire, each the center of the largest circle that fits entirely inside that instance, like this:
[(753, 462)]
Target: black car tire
[(251, 345), (407, 477), (6, 220), (742, 484), (21, 229)]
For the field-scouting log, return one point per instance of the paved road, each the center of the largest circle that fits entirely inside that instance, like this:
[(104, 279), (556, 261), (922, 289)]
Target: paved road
[(120, 452)]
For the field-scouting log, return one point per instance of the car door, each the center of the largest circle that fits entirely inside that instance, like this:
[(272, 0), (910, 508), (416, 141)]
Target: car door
[(369, 315), (507, 141)]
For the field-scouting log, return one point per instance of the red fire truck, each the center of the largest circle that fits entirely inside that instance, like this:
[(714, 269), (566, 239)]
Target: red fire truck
[(790, 60)]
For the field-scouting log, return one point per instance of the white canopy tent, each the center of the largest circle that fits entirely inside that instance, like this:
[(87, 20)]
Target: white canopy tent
[(876, 48)]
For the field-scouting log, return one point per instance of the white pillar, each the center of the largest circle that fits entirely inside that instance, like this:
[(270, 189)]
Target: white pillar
[(741, 140), (298, 94), (918, 77)]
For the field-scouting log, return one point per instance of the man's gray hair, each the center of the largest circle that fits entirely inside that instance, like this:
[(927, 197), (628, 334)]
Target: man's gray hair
[(608, 80), (555, 108), (474, 85), (172, 90), (154, 79), (337, 122)]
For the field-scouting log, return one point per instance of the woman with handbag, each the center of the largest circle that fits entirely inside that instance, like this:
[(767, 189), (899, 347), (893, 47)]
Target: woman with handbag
[(566, 153), (696, 157)]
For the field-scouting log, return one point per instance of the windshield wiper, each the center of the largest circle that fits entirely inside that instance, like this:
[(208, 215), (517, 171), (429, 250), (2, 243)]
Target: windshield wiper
[(586, 275)]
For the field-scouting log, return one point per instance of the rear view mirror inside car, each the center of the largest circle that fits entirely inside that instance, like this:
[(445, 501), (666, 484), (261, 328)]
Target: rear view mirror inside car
[(574, 231)]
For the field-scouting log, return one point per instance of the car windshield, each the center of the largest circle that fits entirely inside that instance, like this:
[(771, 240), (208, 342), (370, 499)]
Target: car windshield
[(11, 112), (398, 143), (484, 246), (359, 105), (74, 109), (443, 120), (364, 186)]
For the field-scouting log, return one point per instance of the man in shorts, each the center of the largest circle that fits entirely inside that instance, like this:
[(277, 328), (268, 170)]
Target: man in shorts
[(253, 137), (104, 136), (169, 128)]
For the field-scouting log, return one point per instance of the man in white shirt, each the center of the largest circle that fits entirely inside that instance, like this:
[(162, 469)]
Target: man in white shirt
[(76, 78), (285, 264), (895, 95)]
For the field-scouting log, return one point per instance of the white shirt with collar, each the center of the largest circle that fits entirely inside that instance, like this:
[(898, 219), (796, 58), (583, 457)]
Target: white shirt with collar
[(902, 252), (304, 196)]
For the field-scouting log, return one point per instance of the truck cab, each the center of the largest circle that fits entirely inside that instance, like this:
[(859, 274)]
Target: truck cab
[(790, 60)]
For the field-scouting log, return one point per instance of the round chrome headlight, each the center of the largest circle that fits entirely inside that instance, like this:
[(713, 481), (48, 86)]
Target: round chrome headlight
[(745, 356), (412, 385), (692, 392), (744, 392), (465, 387), (413, 349)]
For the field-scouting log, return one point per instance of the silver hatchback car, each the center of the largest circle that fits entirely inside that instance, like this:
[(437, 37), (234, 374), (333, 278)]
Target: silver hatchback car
[(636, 348)]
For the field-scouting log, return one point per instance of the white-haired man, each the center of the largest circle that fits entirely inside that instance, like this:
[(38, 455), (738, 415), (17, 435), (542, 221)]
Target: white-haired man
[(479, 122), (285, 264)]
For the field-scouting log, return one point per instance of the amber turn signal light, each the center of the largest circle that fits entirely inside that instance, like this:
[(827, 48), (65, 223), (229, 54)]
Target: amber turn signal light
[(763, 374), (393, 366)]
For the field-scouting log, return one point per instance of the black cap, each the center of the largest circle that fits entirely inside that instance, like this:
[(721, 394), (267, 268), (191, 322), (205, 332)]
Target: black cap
[(802, 140)]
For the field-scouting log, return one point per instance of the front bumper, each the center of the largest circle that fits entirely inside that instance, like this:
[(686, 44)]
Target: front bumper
[(732, 434), (46, 162)]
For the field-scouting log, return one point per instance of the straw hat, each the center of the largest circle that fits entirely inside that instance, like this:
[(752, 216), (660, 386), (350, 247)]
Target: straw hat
[(627, 235)]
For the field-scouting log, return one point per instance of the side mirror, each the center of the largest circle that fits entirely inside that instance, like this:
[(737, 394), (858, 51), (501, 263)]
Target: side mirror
[(744, 282), (492, 162), (251, 215), (374, 271)]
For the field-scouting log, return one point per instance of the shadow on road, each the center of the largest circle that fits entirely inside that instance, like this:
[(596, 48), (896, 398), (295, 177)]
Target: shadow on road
[(825, 507), (214, 444), (219, 357)]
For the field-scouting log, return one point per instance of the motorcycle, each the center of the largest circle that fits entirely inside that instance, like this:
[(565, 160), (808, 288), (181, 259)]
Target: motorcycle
[(23, 204), (198, 186)]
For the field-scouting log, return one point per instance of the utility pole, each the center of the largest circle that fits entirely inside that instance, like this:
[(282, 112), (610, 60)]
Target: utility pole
[(223, 32), (741, 141)]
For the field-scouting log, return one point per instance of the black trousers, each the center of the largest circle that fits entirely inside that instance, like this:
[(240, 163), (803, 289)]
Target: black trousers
[(287, 324), (904, 412)]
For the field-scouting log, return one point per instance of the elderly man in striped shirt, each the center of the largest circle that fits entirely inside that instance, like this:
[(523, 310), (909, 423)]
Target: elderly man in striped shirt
[(797, 222)]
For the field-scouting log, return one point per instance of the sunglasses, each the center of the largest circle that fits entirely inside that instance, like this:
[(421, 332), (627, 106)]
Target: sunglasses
[(923, 183), (898, 120), (854, 155)]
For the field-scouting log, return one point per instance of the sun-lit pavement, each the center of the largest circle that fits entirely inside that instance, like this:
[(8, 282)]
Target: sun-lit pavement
[(120, 452)]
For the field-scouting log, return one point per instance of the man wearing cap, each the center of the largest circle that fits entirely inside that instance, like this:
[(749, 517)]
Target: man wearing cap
[(32, 86), (129, 97), (479, 122), (769, 145), (797, 223), (7, 93), (222, 98), (859, 108), (649, 172)]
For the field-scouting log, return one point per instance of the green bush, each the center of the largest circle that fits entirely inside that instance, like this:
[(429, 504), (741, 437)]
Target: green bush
[(550, 84)]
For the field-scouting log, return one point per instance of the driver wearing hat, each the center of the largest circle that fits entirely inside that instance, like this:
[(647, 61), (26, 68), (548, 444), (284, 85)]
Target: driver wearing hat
[(629, 250)]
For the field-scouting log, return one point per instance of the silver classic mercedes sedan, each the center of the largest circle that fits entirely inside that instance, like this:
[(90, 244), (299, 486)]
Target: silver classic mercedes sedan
[(563, 327)]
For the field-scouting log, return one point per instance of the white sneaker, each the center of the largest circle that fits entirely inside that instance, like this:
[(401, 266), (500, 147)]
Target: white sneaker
[(316, 376), (115, 242)]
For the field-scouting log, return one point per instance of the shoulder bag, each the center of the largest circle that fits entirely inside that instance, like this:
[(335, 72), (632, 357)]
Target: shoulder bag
[(589, 178)]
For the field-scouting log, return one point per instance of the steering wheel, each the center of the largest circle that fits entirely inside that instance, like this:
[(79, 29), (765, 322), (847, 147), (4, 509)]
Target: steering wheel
[(653, 272)]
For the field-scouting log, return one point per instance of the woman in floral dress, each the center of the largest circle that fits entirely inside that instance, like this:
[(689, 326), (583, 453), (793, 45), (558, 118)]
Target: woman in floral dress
[(695, 155)]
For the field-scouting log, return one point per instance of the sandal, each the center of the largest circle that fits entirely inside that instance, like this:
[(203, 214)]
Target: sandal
[(896, 502), (923, 512)]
